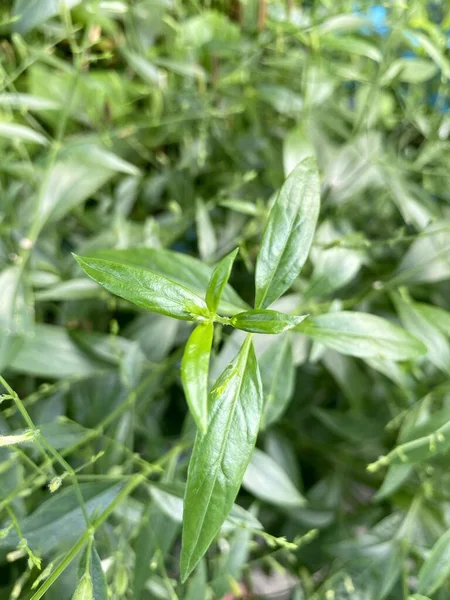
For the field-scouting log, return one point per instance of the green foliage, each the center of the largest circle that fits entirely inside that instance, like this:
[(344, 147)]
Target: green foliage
[(224, 300)]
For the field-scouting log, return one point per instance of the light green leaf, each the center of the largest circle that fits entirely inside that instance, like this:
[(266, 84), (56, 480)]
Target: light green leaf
[(51, 353), (27, 102), (220, 456), (32, 13), (194, 372), (99, 585), (363, 335), (435, 53), (207, 241), (145, 289), (219, 280), (438, 347), (277, 375), (436, 568), (296, 148), (288, 234), (266, 480), (198, 585), (181, 268), (265, 321), (73, 289), (171, 504), (428, 258), (334, 267), (352, 45), (395, 477), (14, 131), (81, 169), (85, 590), (16, 314), (439, 317)]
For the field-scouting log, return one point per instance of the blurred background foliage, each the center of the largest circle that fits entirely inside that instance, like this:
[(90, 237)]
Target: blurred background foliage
[(169, 125)]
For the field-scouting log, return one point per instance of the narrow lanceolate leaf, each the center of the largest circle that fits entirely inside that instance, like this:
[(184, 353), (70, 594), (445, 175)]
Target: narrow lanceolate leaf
[(221, 455), (277, 374), (436, 568), (265, 321), (288, 234), (145, 289), (219, 280), (194, 372), (438, 347), (84, 589), (266, 480), (363, 335)]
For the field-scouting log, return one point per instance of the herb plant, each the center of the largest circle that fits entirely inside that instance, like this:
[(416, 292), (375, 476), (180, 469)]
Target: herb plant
[(224, 300)]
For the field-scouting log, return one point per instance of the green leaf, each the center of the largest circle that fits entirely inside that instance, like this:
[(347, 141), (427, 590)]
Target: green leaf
[(436, 568), (14, 131), (32, 13), (59, 521), (81, 168), (277, 375), (266, 480), (265, 321), (169, 500), (198, 585), (52, 353), (27, 102), (334, 267), (296, 148), (145, 289), (415, 321), (99, 585), (219, 280), (207, 241), (16, 315), (439, 317), (426, 260), (221, 455), (362, 335), (288, 234), (194, 372), (85, 590), (181, 268)]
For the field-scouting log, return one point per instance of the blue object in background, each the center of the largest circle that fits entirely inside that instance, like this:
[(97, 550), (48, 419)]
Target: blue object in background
[(378, 17), (439, 102)]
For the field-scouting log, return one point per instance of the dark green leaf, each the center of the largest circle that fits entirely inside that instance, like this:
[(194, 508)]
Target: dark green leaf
[(146, 289), (195, 370), (220, 456), (59, 521), (288, 234), (185, 270), (265, 321)]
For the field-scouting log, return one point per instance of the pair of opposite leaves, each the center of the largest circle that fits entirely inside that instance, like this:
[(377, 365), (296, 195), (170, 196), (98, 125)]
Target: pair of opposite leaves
[(228, 418)]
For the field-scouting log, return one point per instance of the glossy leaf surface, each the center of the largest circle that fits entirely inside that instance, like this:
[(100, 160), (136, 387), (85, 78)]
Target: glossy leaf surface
[(220, 456)]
